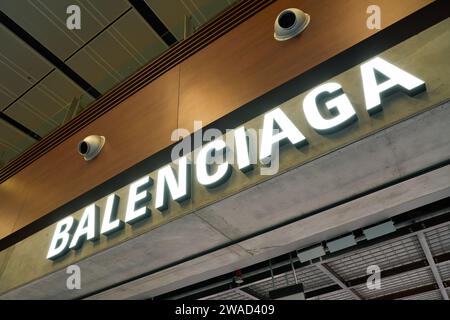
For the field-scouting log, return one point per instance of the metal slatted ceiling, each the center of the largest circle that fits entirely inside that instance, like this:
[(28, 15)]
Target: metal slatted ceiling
[(432, 295), (20, 67), (386, 255), (230, 295), (173, 12), (439, 240), (43, 109), (114, 55), (404, 281), (113, 43), (12, 142), (311, 278), (336, 295), (265, 286), (45, 20), (444, 270)]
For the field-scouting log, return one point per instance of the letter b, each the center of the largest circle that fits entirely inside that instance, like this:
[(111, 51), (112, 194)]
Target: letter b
[(60, 241)]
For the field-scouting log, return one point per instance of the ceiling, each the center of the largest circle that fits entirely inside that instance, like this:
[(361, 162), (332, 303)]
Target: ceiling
[(49, 73), (406, 270)]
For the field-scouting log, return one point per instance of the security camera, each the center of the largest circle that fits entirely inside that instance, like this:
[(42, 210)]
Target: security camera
[(289, 23), (91, 146)]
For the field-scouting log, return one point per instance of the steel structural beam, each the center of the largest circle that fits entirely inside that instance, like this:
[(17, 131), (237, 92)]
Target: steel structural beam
[(426, 249), (337, 279)]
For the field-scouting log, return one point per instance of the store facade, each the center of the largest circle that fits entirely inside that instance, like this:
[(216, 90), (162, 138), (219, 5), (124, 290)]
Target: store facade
[(363, 136)]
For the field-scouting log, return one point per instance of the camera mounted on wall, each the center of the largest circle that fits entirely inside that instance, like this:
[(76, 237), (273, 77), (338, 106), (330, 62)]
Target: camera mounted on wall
[(290, 23)]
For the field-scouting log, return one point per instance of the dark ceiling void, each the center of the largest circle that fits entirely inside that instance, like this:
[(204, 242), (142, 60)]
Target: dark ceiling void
[(152, 19), (47, 54)]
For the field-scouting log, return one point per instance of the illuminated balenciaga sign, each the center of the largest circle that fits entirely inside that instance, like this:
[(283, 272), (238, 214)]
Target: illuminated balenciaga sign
[(379, 78)]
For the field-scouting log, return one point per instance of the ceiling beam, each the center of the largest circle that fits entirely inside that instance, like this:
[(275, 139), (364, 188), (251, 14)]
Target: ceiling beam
[(408, 293), (249, 293), (261, 274), (426, 249), (440, 259), (12, 26)]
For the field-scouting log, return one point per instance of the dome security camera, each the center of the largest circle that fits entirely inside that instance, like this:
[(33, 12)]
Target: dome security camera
[(290, 23), (91, 146)]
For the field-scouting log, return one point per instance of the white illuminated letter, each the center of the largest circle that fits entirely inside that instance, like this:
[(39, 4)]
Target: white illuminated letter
[(88, 227), (223, 169), (286, 130), (110, 222), (397, 79), (137, 198), (179, 191), (61, 238), (345, 111), (242, 150)]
